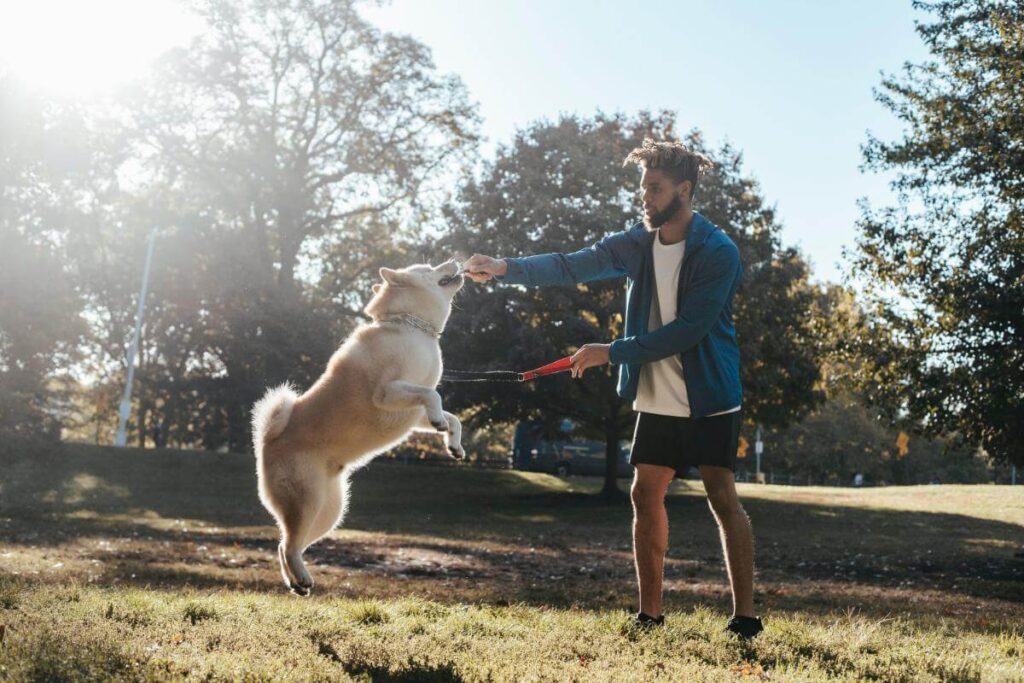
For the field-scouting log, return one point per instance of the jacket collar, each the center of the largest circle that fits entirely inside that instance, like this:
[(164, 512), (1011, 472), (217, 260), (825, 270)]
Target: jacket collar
[(700, 230)]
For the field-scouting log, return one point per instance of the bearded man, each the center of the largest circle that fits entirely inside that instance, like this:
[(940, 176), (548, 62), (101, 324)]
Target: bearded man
[(678, 362)]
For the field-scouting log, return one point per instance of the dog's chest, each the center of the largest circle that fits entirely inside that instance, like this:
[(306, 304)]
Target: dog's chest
[(421, 362)]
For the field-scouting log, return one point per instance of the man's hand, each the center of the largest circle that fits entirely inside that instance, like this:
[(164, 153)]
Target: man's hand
[(480, 268), (589, 356)]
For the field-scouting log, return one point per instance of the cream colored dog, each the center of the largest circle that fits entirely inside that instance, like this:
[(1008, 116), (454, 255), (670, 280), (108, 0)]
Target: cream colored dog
[(378, 387)]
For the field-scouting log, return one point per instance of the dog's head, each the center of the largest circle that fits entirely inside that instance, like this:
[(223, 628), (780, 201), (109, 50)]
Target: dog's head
[(422, 290)]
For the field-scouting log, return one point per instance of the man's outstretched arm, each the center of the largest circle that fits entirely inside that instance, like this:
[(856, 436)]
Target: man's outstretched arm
[(605, 259)]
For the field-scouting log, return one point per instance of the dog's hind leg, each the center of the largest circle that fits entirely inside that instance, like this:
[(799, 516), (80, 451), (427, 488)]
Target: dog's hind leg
[(332, 510), (286, 573), (297, 513)]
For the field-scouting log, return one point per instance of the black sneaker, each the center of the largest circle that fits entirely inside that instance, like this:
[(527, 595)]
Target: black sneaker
[(645, 622), (745, 627)]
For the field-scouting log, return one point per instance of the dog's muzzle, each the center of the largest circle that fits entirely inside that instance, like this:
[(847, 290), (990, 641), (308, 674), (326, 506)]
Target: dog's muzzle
[(455, 277)]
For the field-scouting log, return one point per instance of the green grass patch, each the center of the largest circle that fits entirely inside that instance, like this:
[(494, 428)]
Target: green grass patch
[(161, 566)]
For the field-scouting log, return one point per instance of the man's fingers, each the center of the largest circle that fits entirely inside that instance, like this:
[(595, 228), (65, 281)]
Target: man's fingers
[(475, 262), (476, 273), (577, 363)]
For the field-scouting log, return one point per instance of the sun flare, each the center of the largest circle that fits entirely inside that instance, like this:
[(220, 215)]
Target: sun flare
[(78, 47)]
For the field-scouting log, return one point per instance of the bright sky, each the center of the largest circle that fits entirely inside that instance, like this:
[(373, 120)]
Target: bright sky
[(788, 82), (77, 47)]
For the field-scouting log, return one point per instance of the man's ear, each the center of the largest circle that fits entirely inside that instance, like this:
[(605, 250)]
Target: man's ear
[(687, 188), (393, 277)]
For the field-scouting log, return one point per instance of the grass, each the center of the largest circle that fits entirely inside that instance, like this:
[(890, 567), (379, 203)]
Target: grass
[(142, 565)]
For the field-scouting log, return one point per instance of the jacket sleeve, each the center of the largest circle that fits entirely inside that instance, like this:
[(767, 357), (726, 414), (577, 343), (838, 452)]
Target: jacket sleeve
[(702, 303), (602, 260)]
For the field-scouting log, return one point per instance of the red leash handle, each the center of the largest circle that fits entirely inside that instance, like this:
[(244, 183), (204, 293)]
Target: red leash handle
[(550, 369)]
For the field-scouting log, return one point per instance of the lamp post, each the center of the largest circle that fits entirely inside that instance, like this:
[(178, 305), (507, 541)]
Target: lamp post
[(759, 449), (126, 399)]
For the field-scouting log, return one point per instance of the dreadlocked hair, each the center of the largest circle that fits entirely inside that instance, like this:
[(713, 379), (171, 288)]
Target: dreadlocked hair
[(672, 158)]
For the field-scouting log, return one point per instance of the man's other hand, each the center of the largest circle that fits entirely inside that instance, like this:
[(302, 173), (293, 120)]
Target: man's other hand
[(480, 268), (590, 356)]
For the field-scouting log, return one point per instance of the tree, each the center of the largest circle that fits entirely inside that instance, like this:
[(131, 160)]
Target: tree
[(943, 269), (561, 186), (283, 155), (42, 152), (846, 434)]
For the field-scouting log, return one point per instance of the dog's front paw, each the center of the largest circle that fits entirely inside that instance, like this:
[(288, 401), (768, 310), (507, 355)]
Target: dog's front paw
[(457, 452)]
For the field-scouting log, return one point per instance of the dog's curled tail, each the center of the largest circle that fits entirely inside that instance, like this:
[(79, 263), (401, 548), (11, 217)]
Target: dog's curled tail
[(271, 413)]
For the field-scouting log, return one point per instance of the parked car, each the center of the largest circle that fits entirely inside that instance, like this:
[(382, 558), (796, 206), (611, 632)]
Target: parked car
[(531, 451)]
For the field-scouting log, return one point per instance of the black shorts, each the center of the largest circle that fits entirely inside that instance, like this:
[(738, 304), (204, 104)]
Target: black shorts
[(685, 442)]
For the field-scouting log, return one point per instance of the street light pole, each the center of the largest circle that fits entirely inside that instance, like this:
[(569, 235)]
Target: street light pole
[(126, 399), (758, 449)]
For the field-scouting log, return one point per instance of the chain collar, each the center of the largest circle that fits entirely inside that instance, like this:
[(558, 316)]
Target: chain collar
[(412, 321)]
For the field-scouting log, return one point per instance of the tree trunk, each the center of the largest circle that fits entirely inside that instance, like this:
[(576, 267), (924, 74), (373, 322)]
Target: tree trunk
[(143, 384), (143, 414), (611, 454)]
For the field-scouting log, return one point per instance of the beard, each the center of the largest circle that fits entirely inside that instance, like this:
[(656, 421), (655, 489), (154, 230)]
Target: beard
[(659, 218)]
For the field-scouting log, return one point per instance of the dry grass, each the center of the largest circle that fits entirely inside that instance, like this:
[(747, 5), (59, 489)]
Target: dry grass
[(138, 565)]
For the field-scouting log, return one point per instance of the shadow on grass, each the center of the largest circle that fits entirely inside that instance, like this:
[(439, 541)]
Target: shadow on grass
[(441, 673), (456, 533)]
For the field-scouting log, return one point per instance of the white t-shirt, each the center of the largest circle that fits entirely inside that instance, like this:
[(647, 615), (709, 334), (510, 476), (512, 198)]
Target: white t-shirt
[(662, 389)]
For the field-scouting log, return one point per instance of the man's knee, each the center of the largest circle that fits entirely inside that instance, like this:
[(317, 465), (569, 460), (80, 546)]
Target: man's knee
[(647, 498)]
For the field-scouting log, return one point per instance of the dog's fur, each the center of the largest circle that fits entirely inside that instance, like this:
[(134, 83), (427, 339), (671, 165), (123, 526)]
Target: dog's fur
[(378, 387)]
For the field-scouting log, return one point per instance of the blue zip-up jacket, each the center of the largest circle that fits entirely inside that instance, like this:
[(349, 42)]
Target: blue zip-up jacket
[(702, 333)]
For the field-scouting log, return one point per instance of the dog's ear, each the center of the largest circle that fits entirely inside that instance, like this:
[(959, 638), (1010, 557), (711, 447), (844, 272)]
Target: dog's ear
[(376, 287), (393, 277)]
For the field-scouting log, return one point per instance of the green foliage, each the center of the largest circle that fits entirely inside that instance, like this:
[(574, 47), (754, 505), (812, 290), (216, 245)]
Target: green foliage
[(943, 270), (558, 187), (847, 434), (842, 437)]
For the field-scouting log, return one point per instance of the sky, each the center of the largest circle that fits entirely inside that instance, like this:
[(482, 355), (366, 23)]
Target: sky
[(787, 82)]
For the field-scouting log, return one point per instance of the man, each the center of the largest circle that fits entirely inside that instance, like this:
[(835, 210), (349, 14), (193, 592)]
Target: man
[(678, 362)]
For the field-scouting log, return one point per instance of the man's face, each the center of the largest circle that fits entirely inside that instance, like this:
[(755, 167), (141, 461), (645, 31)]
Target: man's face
[(663, 198)]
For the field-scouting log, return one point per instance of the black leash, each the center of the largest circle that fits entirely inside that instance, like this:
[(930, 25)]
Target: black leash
[(481, 376), (562, 365)]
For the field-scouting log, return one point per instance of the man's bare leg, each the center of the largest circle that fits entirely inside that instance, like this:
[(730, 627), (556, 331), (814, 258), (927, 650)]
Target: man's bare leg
[(650, 532), (737, 536)]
